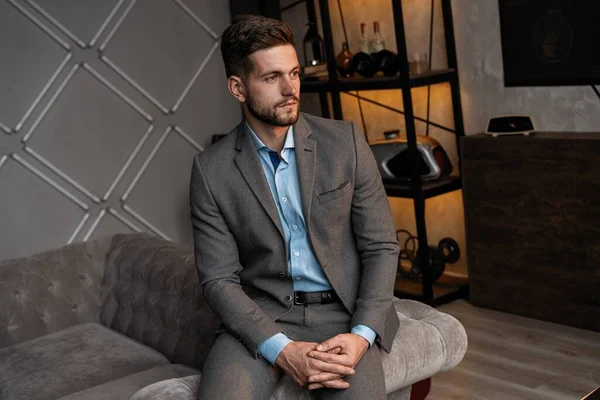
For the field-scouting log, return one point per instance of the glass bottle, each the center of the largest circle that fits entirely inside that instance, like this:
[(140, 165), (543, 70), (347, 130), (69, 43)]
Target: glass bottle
[(343, 61), (365, 47), (377, 43)]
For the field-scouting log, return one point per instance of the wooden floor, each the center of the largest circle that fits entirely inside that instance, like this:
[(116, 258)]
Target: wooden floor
[(512, 358)]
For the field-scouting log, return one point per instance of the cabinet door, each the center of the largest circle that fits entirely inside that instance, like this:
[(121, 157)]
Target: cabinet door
[(532, 214)]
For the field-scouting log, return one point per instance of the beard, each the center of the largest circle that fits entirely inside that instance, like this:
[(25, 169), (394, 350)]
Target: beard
[(273, 115)]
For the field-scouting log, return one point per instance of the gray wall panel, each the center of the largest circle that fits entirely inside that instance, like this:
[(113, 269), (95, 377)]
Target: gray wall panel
[(215, 17), (40, 217), (82, 129), (194, 114), (108, 223), (168, 172), (93, 88), (30, 59), (82, 21), (160, 47)]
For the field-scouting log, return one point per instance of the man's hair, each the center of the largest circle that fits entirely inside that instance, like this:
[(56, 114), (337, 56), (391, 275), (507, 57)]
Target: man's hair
[(247, 34)]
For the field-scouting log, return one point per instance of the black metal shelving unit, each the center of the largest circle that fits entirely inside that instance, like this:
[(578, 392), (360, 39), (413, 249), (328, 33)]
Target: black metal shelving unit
[(427, 291)]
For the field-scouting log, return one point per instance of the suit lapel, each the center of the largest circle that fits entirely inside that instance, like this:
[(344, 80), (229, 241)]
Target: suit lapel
[(248, 162), (306, 160)]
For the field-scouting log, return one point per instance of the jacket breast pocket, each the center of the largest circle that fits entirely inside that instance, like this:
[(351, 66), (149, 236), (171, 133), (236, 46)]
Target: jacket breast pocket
[(336, 193)]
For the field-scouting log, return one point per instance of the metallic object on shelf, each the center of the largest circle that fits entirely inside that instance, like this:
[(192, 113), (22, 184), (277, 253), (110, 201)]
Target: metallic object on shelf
[(409, 264), (343, 61), (313, 46), (394, 164)]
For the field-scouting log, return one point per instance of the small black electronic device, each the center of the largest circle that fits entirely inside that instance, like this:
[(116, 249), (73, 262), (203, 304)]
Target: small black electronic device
[(510, 125)]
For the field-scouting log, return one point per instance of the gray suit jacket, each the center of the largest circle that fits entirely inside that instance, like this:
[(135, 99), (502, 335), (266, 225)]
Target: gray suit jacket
[(240, 247)]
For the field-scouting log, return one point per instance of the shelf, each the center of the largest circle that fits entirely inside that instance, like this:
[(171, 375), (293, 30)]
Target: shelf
[(378, 82), (443, 185)]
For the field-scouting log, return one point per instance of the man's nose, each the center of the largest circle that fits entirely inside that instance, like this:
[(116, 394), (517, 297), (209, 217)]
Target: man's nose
[(289, 87)]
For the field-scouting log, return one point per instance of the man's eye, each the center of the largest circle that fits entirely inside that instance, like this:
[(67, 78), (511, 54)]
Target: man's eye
[(295, 73), (270, 79)]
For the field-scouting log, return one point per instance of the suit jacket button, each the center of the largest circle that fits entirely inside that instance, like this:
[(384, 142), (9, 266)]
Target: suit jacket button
[(281, 275), (288, 298)]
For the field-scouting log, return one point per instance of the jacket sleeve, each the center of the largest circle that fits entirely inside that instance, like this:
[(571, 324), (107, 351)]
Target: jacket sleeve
[(376, 243), (218, 265)]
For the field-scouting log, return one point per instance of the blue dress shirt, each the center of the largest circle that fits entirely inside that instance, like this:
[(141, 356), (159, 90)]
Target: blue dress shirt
[(303, 266)]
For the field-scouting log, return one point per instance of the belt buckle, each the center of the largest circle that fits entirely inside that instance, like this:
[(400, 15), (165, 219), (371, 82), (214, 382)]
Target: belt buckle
[(326, 297), (297, 301)]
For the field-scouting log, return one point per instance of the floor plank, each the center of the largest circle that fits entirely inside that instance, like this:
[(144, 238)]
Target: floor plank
[(513, 357)]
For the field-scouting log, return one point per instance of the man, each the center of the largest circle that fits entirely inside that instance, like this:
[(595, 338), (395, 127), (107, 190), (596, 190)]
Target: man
[(294, 241)]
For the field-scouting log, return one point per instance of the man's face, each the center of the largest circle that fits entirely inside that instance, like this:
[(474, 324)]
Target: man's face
[(273, 87)]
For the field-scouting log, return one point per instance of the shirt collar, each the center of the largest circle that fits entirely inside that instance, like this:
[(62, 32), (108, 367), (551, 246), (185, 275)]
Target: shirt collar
[(288, 144)]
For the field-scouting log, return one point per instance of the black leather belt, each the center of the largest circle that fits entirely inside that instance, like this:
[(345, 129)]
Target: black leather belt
[(325, 297)]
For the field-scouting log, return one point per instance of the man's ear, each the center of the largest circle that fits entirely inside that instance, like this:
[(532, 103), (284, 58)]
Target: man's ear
[(236, 88)]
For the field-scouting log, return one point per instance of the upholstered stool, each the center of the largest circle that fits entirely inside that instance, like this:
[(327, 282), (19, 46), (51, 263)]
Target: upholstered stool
[(427, 342)]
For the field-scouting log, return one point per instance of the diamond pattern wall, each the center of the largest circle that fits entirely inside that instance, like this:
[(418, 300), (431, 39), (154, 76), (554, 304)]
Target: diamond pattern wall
[(158, 47), (41, 215), (26, 73), (103, 107), (81, 21)]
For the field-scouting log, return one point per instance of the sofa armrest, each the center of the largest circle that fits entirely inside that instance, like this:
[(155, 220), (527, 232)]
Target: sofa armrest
[(427, 342), (151, 293), (50, 290)]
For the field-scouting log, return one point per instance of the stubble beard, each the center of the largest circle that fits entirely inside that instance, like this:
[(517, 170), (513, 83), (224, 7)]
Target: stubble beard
[(270, 115)]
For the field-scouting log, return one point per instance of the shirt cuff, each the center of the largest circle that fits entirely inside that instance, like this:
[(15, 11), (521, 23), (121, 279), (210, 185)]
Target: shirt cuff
[(365, 332), (270, 348)]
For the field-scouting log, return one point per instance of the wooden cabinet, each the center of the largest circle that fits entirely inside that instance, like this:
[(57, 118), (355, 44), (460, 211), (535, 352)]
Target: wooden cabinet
[(532, 215)]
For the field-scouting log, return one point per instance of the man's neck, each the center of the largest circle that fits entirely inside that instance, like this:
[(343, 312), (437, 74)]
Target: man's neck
[(272, 136)]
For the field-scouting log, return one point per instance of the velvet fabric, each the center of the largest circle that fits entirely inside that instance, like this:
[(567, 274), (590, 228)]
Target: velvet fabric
[(124, 314), (71, 360), (123, 388)]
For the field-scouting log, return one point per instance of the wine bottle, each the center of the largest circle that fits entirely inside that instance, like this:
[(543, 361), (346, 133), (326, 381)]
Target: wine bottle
[(377, 43), (365, 46)]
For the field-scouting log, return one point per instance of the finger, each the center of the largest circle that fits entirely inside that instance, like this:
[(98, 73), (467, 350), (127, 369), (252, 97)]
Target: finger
[(334, 384), (341, 359), (335, 350), (340, 369), (323, 376), (330, 344)]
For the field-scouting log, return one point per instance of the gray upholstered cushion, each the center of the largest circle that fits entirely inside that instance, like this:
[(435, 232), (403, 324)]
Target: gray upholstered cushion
[(50, 291), (427, 342), (71, 360), (124, 388), (152, 294)]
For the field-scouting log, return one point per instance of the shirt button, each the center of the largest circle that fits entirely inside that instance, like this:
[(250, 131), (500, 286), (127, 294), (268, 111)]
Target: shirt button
[(287, 298), (284, 198), (295, 227), (298, 278), (297, 254)]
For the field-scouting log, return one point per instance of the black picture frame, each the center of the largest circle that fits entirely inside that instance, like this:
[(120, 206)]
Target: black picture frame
[(549, 42)]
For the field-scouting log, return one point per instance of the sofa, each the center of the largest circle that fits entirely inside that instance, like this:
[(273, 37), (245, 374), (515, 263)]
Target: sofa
[(122, 317)]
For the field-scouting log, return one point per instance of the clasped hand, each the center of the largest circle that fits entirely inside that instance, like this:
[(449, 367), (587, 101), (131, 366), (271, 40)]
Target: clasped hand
[(325, 364)]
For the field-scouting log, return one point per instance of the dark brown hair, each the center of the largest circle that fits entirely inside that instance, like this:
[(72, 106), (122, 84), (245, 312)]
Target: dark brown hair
[(247, 34)]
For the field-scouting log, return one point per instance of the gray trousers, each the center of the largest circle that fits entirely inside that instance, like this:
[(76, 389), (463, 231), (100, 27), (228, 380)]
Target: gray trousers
[(230, 371)]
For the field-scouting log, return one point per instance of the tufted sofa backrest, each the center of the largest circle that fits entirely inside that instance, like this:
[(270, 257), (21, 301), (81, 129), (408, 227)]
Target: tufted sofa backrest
[(152, 294), (51, 290)]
